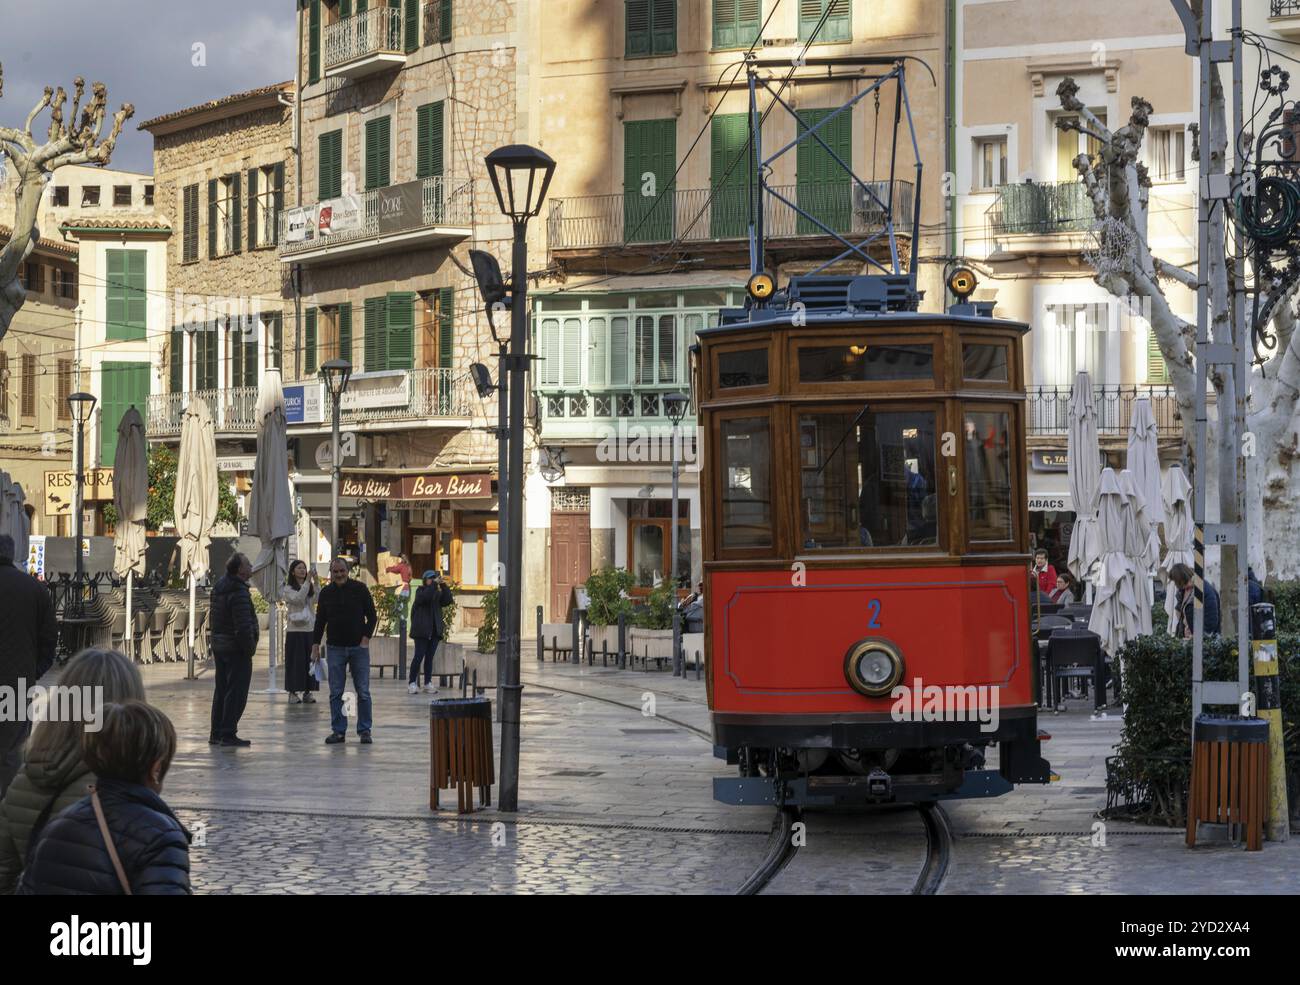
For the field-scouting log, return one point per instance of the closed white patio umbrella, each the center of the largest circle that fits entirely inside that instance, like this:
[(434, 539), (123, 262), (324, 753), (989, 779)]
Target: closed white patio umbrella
[(270, 507), (1115, 607), (1176, 492), (1082, 458), (1142, 545), (195, 507), (131, 500), (1144, 458)]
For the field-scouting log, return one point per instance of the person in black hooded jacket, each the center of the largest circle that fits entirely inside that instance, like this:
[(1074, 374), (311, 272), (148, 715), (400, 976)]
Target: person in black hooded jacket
[(74, 855), (234, 641), (427, 627)]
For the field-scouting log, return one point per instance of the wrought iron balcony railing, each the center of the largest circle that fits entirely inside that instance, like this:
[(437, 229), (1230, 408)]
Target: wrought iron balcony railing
[(1049, 408), (1042, 208), (1284, 8), (703, 214), (370, 32)]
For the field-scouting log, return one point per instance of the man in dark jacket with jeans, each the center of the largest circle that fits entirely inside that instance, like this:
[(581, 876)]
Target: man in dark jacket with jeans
[(234, 641), (27, 638), (347, 613)]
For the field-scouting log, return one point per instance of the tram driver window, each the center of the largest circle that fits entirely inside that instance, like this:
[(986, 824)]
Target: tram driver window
[(746, 482), (742, 367), (868, 480), (988, 475)]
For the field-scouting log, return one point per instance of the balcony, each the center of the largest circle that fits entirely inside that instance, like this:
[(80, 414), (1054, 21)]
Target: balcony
[(630, 224), (1048, 412), (429, 212), (628, 414), (1284, 18), (382, 400), (1040, 217), (364, 43)]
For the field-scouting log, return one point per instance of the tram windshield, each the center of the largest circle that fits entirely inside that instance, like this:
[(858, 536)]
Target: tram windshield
[(868, 479), (988, 475)]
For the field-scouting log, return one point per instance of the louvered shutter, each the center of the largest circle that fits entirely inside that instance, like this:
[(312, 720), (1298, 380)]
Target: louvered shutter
[(446, 323), (401, 330), (572, 357), (252, 208), (343, 341), (115, 295), (275, 338), (212, 218), (345, 9), (137, 294), (838, 26), (236, 215), (376, 341), (1157, 371), (377, 152), (250, 351), (618, 351), (667, 348), (444, 21), (411, 25), (309, 341), (329, 180), (550, 350), (736, 22), (234, 355), (190, 236), (598, 352), (663, 27), (729, 175), (313, 42), (638, 28), (645, 349), (177, 361), (277, 202), (428, 140)]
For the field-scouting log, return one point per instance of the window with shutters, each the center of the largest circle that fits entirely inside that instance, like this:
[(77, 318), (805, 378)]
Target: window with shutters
[(329, 179), (148, 196), (125, 294), (204, 357), (190, 224), (28, 403), (310, 341), (313, 40), (649, 161), (273, 332), (241, 352), (736, 22), (376, 335), (176, 361), (729, 175), (378, 151), (65, 283), (225, 219), (1157, 371), (32, 276), (437, 328), (651, 27), (437, 22), (265, 202), (61, 407), (123, 385), (824, 187), (838, 24), (428, 140)]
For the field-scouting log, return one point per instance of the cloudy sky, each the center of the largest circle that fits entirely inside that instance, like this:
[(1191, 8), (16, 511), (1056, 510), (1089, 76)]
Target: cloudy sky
[(145, 52)]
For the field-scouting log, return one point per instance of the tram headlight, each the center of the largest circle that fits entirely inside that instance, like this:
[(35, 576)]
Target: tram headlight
[(873, 667)]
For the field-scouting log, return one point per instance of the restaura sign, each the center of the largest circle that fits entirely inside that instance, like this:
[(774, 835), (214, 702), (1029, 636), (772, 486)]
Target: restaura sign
[(60, 486)]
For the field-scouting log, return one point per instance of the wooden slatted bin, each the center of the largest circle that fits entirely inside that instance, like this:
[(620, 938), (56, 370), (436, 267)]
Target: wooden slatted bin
[(1229, 777), (460, 747)]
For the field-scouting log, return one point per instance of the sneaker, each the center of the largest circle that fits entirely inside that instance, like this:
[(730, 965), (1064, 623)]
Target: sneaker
[(294, 699), (234, 740), (334, 738), (413, 688), (365, 738), (430, 689), (307, 699)]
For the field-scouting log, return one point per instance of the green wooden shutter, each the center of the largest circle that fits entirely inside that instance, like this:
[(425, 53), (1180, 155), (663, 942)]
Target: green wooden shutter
[(275, 337), (411, 25), (824, 189), (126, 300), (1157, 371), (638, 28), (838, 26), (313, 42), (401, 330), (736, 22), (123, 385), (376, 340), (649, 147), (446, 322), (618, 351), (235, 218), (137, 294), (309, 341), (252, 208), (345, 9), (235, 354), (277, 202), (212, 218), (663, 27), (329, 179), (177, 362), (344, 332), (729, 175), (444, 21), (428, 140), (115, 295), (378, 133)]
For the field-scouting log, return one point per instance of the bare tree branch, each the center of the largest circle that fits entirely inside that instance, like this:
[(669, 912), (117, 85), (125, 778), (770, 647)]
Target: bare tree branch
[(1174, 272)]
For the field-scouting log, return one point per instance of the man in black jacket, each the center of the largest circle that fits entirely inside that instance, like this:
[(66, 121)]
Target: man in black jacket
[(27, 637), (234, 641), (347, 613)]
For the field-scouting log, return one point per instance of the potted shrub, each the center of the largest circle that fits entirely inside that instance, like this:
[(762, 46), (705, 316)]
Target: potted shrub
[(487, 632), (653, 636), (389, 608), (262, 607), (607, 598)]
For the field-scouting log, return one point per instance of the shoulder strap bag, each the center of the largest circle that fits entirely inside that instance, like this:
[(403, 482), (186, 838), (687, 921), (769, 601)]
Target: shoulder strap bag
[(108, 841)]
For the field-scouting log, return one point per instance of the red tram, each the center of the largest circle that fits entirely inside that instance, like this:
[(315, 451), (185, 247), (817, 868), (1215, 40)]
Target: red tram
[(865, 547)]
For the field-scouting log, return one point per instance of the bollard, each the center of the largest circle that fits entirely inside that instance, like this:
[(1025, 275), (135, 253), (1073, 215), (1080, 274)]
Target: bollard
[(604, 653), (576, 654), (622, 641), (540, 653), (679, 659), (1263, 645)]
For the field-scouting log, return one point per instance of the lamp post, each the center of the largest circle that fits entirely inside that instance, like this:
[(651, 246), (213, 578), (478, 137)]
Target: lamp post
[(520, 177), (82, 406), (335, 373), (675, 407)]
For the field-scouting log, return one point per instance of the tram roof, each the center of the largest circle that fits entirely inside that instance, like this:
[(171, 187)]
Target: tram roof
[(736, 320)]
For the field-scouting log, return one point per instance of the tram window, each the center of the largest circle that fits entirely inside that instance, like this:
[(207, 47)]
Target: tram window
[(988, 475), (986, 363), (868, 480), (746, 482), (742, 367), (872, 363)]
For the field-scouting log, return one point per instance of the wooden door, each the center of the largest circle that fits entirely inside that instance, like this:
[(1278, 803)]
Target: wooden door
[(570, 559)]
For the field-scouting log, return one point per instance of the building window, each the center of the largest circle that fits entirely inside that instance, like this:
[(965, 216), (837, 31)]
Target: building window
[(126, 297), (651, 27), (176, 361), (838, 25), (65, 389), (33, 277), (990, 163), (475, 552), (1166, 147), (60, 196), (28, 408), (190, 224), (273, 329), (428, 140), (224, 219), (148, 195), (65, 283), (649, 539), (265, 201), (241, 352), (437, 22), (1071, 143), (736, 22), (204, 356), (329, 181), (378, 152), (89, 195), (121, 195), (390, 332)]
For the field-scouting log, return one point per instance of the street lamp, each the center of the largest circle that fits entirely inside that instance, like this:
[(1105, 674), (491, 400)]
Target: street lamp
[(82, 406), (335, 373), (675, 405), (520, 177)]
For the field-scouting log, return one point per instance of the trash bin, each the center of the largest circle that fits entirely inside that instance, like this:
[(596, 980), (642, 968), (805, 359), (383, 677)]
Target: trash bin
[(460, 746), (1229, 777)]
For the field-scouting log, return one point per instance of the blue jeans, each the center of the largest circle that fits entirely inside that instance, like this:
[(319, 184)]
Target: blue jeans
[(340, 660)]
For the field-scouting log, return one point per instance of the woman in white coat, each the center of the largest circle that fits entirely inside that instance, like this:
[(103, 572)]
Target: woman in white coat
[(299, 594)]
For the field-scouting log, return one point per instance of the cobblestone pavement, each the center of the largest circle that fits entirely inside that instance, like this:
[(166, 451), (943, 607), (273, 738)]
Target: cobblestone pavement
[(614, 800)]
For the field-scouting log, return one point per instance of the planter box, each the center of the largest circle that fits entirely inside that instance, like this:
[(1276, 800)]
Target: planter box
[(263, 621), (606, 636), (650, 644)]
